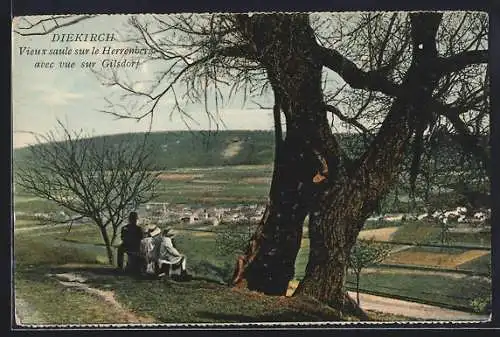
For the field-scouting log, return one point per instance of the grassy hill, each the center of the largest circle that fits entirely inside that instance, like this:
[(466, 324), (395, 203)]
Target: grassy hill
[(200, 149), (47, 262), (176, 149)]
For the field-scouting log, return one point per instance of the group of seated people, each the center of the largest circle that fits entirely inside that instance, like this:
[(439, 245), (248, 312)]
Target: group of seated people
[(150, 251)]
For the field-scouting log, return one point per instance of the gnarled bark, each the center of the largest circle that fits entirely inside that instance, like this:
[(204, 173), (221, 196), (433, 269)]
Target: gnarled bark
[(286, 47), (350, 199)]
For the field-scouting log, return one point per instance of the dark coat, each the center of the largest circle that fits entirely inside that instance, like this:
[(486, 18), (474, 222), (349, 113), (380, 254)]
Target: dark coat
[(131, 236)]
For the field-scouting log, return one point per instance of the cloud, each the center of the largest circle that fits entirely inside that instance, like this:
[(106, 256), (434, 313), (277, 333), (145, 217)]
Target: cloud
[(41, 96), (55, 96)]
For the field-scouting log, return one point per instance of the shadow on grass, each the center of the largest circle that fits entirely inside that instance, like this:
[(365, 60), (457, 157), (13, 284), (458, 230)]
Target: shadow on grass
[(101, 272), (284, 316), (210, 271), (89, 244)]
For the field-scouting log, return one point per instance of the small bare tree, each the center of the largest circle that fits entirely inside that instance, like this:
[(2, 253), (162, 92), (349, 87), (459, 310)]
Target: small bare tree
[(90, 176), (366, 253)]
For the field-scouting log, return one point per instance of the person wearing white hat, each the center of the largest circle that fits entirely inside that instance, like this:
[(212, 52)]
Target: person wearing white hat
[(149, 248), (169, 258)]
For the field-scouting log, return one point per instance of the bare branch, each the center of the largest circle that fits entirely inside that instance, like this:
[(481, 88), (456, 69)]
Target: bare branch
[(342, 117), (459, 61), (55, 21), (91, 177), (356, 77)]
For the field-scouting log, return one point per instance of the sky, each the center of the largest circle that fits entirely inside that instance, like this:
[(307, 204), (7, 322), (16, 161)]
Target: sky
[(76, 97), (41, 97)]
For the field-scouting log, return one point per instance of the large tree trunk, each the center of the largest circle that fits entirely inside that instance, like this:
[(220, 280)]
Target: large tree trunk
[(353, 196), (270, 258), (286, 47)]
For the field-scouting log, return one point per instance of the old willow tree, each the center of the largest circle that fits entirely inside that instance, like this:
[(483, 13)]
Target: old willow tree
[(393, 77)]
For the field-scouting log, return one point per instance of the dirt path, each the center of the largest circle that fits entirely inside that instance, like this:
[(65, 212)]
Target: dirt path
[(414, 310), (25, 314), (71, 280), (450, 274), (406, 308)]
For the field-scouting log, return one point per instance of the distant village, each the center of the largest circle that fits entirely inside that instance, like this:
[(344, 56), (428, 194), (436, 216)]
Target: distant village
[(184, 214), (459, 219), (163, 213)]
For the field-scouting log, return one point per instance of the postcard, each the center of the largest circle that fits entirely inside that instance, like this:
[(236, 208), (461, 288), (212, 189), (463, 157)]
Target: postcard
[(237, 169)]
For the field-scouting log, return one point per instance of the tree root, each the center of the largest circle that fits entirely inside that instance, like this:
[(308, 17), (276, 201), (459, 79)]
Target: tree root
[(237, 279), (351, 307)]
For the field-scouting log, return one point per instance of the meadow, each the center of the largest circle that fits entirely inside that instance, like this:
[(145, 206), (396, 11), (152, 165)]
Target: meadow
[(41, 261), (42, 251)]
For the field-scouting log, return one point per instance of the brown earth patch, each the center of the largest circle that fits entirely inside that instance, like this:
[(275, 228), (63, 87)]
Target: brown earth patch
[(257, 180), (435, 259), (202, 234), (178, 176), (380, 234), (210, 181)]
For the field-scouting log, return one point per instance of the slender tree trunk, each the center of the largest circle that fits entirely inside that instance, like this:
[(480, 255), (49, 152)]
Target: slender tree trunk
[(107, 242), (358, 274)]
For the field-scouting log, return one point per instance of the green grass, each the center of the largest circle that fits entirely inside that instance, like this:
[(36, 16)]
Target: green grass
[(451, 291), (425, 232), (202, 257), (481, 264), (437, 250), (40, 251), (376, 224), (201, 250), (201, 300), (221, 186), (217, 186), (418, 232), (204, 299), (34, 205), (34, 258), (84, 233), (479, 239), (73, 306), (24, 223)]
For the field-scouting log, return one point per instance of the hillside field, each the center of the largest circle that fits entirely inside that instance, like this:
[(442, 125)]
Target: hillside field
[(225, 169)]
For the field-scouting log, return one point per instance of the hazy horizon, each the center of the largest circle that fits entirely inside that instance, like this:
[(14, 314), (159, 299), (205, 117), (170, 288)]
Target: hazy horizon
[(183, 130), (41, 97)]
